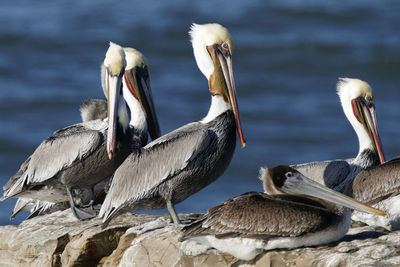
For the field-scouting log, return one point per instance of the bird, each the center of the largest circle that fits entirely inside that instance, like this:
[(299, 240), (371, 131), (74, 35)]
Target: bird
[(294, 211), (357, 101), (82, 155), (378, 186), (90, 109), (176, 165), (138, 95)]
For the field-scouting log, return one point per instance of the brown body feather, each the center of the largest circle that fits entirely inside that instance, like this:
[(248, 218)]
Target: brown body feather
[(258, 215)]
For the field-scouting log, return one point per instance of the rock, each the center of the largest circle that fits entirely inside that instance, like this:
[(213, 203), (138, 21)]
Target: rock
[(59, 239)]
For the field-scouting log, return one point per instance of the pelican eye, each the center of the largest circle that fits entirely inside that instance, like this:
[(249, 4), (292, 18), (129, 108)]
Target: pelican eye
[(289, 174), (225, 45)]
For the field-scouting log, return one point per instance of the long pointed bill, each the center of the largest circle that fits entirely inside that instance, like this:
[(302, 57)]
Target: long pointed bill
[(298, 184), (138, 83), (368, 119), (113, 85), (225, 60), (372, 125)]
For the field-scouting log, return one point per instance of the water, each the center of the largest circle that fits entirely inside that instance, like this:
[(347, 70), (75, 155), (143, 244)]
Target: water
[(288, 56)]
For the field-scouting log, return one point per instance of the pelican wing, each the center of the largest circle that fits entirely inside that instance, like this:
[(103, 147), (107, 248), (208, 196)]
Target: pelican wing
[(57, 152), (330, 173), (157, 162), (60, 151), (259, 215), (377, 183)]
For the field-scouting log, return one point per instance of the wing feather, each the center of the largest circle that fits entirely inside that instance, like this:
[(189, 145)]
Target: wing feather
[(377, 183), (157, 162), (259, 215), (57, 152)]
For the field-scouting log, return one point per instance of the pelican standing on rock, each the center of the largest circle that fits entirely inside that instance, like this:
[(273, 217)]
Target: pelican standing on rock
[(82, 155), (91, 109), (358, 105), (182, 162), (293, 212)]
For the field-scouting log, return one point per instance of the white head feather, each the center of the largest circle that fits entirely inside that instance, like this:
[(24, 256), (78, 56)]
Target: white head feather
[(349, 89), (205, 35), (115, 59), (134, 58)]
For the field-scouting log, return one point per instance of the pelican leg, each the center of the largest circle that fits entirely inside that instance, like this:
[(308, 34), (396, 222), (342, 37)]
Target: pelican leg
[(80, 213), (172, 212)]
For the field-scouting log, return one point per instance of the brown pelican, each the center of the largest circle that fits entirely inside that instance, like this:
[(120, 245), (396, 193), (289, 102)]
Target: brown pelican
[(293, 212), (358, 105), (91, 109), (82, 155), (182, 162), (379, 186)]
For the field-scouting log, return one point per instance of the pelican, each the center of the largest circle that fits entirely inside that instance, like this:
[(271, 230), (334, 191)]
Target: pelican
[(358, 105), (82, 155), (379, 186), (182, 162), (293, 212), (91, 109)]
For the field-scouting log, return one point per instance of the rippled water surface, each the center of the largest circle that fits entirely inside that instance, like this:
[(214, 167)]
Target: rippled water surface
[(288, 56)]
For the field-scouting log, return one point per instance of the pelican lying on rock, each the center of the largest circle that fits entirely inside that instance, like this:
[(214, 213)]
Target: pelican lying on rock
[(358, 105), (82, 155), (182, 162), (379, 186), (293, 212)]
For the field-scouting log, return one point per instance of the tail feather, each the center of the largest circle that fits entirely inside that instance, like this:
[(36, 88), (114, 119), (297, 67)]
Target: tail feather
[(108, 216), (14, 189), (18, 175), (22, 204), (16, 182)]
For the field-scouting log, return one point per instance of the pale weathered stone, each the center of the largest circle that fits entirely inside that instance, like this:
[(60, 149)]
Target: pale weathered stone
[(59, 239), (148, 240)]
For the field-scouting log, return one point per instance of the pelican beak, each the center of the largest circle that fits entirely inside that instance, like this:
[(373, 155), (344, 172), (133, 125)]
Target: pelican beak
[(138, 83), (225, 61), (298, 184), (367, 117), (113, 89)]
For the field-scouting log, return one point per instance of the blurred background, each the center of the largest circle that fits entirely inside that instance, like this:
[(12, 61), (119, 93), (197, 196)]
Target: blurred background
[(287, 59)]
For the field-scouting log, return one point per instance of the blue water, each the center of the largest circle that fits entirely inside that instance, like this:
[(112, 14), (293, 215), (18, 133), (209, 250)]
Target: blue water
[(288, 56)]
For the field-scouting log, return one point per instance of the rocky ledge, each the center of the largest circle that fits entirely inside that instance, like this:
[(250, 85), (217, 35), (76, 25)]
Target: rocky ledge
[(59, 239)]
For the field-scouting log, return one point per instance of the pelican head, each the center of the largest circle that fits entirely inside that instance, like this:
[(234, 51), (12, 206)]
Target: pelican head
[(213, 47), (136, 85), (358, 104), (286, 180), (93, 109), (113, 70)]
